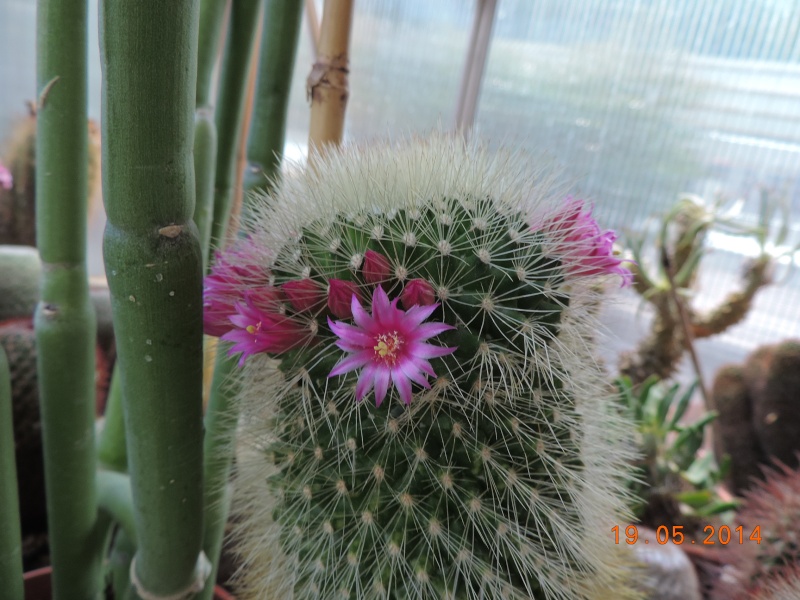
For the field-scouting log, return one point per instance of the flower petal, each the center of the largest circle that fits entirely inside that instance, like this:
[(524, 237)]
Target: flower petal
[(382, 376), (428, 330), (350, 363), (430, 351), (365, 382), (403, 385)]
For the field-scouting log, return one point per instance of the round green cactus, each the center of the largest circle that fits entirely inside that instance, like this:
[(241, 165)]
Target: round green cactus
[(489, 464)]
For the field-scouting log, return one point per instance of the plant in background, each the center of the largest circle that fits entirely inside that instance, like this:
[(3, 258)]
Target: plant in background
[(682, 239), (18, 180), (423, 416), (158, 478), (759, 421), (769, 556), (671, 483)]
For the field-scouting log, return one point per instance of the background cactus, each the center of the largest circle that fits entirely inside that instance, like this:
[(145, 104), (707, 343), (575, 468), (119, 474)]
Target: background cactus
[(758, 419), (18, 340), (20, 269), (18, 202), (772, 511), (682, 236), (503, 479)]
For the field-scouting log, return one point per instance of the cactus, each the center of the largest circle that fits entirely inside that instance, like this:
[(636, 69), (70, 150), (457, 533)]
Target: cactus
[(18, 200), (770, 548), (18, 341), (784, 586), (683, 237), (20, 269), (501, 476), (758, 412)]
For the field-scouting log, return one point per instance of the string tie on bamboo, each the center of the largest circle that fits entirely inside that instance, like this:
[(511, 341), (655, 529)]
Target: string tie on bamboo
[(201, 572)]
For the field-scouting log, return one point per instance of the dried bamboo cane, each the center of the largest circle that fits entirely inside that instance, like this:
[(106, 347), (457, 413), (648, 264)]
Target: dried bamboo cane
[(65, 320), (327, 84), (154, 267)]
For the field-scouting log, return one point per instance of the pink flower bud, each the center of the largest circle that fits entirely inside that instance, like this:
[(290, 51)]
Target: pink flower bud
[(305, 295), (340, 297), (417, 292), (376, 268)]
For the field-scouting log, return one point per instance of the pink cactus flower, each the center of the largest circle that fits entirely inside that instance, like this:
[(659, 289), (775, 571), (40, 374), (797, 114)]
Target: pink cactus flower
[(376, 268), (304, 295), (340, 293), (418, 292), (578, 238), (388, 346), (258, 330), (6, 179), (226, 285)]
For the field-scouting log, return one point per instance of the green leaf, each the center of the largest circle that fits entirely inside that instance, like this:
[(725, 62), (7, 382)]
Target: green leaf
[(681, 407), (717, 508), (664, 404), (701, 471)]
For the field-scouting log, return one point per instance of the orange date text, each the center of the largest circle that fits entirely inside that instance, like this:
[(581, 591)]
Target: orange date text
[(722, 535)]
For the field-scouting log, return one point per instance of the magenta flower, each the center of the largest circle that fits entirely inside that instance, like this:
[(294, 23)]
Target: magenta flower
[(227, 285), (579, 240), (417, 292), (376, 268), (339, 294), (388, 346), (6, 179), (257, 330)]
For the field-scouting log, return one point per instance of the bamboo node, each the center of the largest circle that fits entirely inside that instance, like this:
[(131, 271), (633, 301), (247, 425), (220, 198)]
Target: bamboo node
[(201, 572), (171, 231), (328, 72), (49, 310)]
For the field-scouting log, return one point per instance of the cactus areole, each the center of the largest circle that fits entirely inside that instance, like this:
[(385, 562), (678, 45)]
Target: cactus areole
[(425, 416)]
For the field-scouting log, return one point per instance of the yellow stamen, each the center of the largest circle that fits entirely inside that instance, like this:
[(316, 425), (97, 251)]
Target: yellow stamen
[(253, 328), (387, 347)]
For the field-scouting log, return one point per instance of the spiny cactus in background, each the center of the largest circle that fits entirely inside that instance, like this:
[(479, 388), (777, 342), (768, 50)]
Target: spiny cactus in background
[(18, 340), (20, 269), (759, 418), (454, 286), (682, 237), (18, 179), (770, 546), (783, 586)]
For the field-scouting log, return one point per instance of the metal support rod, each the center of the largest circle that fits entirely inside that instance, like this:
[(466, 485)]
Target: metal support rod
[(475, 65)]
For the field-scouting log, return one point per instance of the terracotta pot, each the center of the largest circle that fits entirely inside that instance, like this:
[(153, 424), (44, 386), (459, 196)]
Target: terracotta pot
[(37, 586)]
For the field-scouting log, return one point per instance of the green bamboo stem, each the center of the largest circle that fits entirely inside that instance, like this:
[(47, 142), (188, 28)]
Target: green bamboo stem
[(65, 320), (212, 19), (267, 137), (205, 158), (265, 149), (111, 451), (10, 533), (218, 452), (119, 566), (230, 108), (115, 501), (154, 267)]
